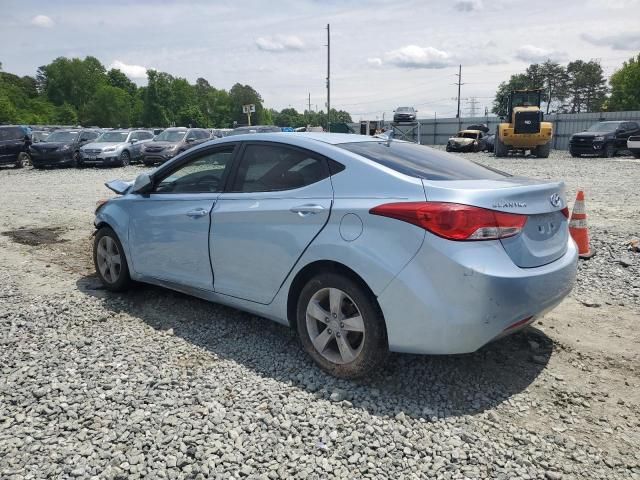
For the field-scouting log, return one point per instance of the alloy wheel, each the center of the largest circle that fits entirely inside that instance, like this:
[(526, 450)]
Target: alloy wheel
[(335, 326), (109, 259)]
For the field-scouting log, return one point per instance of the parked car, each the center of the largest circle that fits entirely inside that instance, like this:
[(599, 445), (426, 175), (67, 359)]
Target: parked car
[(115, 147), (38, 136), (172, 142), (358, 268), (14, 145), (404, 114), (62, 148), (466, 141), (633, 145), (220, 132), (604, 139), (254, 129)]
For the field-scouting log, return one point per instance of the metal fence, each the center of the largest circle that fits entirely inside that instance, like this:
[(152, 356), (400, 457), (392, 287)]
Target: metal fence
[(437, 131)]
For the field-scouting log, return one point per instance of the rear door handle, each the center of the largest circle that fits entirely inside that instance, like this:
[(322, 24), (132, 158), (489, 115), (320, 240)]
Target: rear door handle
[(304, 210), (198, 212)]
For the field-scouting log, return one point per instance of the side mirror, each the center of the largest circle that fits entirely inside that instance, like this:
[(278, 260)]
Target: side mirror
[(190, 140), (142, 184)]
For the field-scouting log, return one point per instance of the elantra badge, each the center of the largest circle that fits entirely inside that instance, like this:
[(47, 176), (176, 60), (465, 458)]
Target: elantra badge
[(555, 200)]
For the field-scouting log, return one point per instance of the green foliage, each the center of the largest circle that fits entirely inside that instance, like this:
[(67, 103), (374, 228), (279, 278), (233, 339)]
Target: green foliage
[(110, 106), (578, 87), (625, 86), (240, 95)]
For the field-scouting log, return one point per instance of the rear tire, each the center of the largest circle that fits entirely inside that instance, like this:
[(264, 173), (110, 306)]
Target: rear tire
[(500, 149), (341, 327), (542, 151), (110, 261), (24, 160)]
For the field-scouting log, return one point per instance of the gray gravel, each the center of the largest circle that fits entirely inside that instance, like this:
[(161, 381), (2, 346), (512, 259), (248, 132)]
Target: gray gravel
[(155, 384)]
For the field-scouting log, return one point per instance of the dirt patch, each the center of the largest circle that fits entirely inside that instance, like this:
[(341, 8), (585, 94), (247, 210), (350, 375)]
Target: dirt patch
[(36, 236)]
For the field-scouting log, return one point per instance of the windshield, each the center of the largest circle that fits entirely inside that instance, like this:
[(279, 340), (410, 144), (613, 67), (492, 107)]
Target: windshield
[(422, 162), (404, 109), (62, 137), (526, 99), (603, 127), (467, 135), (112, 137), (170, 136)]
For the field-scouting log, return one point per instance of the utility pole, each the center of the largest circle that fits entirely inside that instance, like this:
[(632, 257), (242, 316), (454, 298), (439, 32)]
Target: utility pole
[(459, 83), (328, 77), (309, 103)]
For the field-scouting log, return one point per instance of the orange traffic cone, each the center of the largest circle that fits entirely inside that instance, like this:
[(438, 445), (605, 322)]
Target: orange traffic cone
[(578, 227)]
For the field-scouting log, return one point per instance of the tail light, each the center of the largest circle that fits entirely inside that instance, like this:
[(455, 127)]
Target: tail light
[(454, 221), (565, 212)]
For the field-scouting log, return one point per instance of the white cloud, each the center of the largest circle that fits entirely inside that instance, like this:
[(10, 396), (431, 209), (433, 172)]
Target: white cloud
[(468, 5), (618, 41), (375, 61), (531, 53), (42, 21), (279, 43), (131, 71), (413, 56)]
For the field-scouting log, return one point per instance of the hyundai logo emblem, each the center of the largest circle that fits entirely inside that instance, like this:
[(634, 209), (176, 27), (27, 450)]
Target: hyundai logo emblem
[(555, 200)]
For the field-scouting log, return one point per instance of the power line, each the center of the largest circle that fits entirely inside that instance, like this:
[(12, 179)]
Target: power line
[(473, 102)]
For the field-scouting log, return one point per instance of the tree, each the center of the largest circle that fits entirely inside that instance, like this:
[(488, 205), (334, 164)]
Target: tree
[(65, 114), (153, 112), (519, 81), (625, 86), (587, 87), (110, 107), (116, 78), (240, 95), (552, 78)]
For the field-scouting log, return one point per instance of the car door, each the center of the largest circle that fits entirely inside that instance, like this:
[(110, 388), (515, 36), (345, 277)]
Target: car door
[(169, 227), (279, 198)]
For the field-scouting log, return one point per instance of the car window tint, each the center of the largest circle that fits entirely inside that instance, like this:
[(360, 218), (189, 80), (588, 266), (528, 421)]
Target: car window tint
[(266, 168), (12, 133), (422, 162), (203, 174)]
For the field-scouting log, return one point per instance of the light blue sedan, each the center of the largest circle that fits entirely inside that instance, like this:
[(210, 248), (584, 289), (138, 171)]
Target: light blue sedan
[(364, 245)]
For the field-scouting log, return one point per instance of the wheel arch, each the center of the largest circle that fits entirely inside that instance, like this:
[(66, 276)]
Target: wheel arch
[(313, 269)]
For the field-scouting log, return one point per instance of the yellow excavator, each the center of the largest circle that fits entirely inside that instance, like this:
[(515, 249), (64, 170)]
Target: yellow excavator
[(525, 128)]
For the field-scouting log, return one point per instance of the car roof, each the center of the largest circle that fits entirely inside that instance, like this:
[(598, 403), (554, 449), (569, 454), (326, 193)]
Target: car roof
[(298, 137)]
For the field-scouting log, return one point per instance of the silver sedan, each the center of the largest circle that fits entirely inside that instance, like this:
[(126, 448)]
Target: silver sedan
[(364, 245)]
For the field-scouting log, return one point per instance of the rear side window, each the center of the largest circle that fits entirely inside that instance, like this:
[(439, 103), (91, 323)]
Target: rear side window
[(422, 162), (12, 133), (266, 168)]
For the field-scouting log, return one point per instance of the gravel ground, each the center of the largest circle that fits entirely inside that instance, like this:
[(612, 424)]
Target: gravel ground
[(156, 384)]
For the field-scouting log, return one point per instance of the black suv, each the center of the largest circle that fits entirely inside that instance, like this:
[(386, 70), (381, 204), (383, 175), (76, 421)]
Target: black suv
[(61, 147), (14, 145), (603, 138)]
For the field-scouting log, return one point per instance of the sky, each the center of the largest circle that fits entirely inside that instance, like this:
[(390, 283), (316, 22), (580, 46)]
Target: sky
[(384, 54)]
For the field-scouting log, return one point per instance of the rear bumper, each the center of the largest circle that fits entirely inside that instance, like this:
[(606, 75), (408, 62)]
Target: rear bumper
[(455, 297)]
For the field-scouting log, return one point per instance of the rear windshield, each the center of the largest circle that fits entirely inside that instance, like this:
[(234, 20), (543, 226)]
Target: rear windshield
[(423, 162), (12, 133)]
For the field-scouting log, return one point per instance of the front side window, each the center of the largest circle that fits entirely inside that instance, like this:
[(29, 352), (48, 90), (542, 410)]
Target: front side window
[(203, 174), (267, 168), (422, 162)]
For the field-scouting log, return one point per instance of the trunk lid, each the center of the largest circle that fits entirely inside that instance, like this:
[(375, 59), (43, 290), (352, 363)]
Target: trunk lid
[(545, 235)]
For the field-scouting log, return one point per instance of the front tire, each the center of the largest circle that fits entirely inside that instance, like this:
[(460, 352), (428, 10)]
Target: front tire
[(609, 150), (110, 261), (341, 327), (24, 160), (125, 159), (574, 154)]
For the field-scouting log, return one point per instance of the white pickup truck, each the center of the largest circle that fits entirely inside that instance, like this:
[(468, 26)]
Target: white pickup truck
[(633, 144)]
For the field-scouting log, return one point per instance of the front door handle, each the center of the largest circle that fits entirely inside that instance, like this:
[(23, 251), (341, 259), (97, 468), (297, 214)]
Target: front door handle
[(198, 212), (304, 210)]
